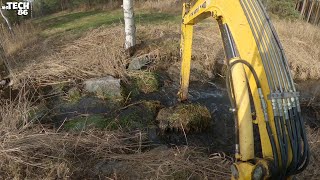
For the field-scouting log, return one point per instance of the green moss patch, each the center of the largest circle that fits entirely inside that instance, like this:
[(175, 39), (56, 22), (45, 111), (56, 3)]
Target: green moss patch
[(187, 117), (140, 115), (140, 82), (84, 123)]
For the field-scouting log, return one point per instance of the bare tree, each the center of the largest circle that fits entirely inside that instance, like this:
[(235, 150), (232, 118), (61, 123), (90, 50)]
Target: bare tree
[(130, 28), (7, 21)]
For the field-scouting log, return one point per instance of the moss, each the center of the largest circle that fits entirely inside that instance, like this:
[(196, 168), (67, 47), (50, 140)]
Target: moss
[(74, 95), (138, 116), (152, 106), (140, 82), (190, 117), (38, 112), (83, 123)]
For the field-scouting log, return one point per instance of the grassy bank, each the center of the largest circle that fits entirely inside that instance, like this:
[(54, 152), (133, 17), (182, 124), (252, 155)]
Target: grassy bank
[(62, 50)]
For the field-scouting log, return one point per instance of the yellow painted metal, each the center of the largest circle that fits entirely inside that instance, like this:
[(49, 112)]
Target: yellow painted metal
[(186, 49), (244, 170), (231, 13), (245, 124)]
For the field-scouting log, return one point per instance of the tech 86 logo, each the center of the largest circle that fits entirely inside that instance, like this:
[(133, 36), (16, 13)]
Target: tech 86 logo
[(21, 7)]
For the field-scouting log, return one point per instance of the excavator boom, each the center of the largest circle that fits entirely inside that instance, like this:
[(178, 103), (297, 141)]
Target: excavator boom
[(257, 67)]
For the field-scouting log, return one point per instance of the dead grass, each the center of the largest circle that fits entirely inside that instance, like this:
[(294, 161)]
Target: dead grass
[(30, 150), (24, 35), (167, 6), (313, 170), (301, 43), (99, 52)]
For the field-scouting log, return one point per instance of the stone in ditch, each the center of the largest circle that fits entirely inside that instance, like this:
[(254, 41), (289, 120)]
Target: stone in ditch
[(106, 87), (139, 62), (184, 117)]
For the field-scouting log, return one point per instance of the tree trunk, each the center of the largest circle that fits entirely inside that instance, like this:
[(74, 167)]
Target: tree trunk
[(7, 21), (130, 28), (303, 9)]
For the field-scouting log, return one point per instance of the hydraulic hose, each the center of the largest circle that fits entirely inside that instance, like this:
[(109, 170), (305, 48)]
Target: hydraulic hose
[(285, 101), (230, 52), (304, 158), (268, 127)]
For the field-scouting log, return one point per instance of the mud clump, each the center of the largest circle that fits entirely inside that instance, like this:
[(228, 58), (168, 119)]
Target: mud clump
[(189, 117)]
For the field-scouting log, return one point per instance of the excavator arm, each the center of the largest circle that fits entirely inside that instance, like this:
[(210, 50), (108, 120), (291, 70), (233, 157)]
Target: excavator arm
[(257, 67)]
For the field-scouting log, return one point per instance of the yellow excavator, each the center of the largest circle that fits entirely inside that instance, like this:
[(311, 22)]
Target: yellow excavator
[(259, 82)]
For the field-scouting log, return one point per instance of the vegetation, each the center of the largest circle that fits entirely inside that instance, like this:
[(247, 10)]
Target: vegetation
[(66, 44), (283, 8)]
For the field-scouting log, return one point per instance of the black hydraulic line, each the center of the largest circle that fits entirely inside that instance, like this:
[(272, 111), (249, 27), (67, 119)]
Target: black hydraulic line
[(251, 69), (268, 127), (263, 56), (296, 128), (274, 148), (299, 124), (285, 142), (230, 52), (280, 46), (294, 144), (253, 24), (306, 151), (230, 91), (227, 40), (277, 56), (298, 134), (286, 83), (280, 138)]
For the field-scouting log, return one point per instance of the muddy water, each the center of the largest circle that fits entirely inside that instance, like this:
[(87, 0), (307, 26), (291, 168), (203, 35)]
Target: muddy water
[(212, 94)]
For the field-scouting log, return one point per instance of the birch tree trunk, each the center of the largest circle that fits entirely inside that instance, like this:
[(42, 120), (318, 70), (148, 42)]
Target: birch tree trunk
[(130, 28), (7, 21)]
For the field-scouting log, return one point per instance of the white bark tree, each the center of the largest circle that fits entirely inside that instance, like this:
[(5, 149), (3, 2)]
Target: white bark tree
[(7, 21), (130, 28)]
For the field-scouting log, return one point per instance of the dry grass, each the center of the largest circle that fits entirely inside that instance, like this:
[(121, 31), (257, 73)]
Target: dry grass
[(301, 43), (99, 52), (24, 35), (167, 6), (313, 170), (30, 150)]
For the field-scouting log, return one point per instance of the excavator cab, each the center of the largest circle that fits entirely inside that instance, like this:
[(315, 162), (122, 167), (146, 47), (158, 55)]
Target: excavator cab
[(257, 63)]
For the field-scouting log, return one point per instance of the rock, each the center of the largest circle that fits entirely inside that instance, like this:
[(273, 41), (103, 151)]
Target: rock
[(106, 87), (184, 117), (139, 62)]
